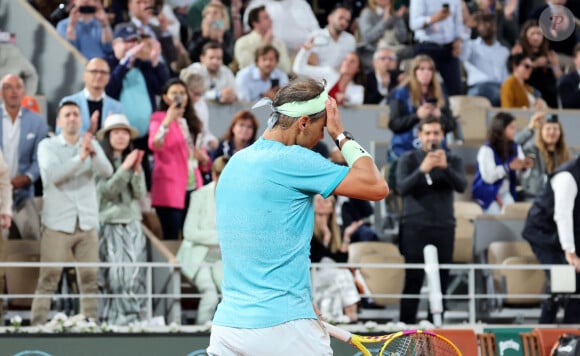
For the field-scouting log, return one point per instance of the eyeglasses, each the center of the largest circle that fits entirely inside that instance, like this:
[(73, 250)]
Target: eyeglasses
[(390, 58), (97, 71)]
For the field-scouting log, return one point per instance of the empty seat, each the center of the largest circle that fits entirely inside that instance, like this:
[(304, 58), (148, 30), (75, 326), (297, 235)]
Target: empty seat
[(517, 210), (379, 280), (467, 209), (513, 281), (21, 280), (472, 114), (463, 249), (464, 339), (548, 337)]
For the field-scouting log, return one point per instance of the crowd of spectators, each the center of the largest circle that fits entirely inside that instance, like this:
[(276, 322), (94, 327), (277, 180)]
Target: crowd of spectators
[(154, 66)]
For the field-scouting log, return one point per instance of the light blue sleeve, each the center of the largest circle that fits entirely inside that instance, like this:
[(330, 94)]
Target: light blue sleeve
[(309, 172)]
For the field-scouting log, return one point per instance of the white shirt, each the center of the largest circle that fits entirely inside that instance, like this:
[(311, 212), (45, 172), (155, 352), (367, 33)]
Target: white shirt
[(484, 63), (441, 32), (89, 97), (333, 53), (565, 191), (11, 140), (292, 20), (214, 83), (490, 172), (354, 93)]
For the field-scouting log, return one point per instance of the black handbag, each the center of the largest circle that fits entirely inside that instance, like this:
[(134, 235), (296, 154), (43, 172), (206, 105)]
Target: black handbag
[(567, 345)]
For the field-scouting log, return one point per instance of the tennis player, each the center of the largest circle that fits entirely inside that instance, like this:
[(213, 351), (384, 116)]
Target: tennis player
[(265, 220)]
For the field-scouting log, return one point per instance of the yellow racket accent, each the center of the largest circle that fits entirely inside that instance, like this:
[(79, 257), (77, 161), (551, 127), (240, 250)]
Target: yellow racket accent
[(402, 343)]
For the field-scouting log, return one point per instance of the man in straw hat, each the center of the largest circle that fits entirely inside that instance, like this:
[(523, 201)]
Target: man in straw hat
[(68, 165), (265, 221)]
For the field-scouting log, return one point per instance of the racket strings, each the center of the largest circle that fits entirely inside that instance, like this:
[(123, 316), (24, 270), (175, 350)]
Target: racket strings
[(418, 344)]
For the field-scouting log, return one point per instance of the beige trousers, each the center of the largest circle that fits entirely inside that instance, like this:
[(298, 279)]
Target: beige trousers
[(57, 246)]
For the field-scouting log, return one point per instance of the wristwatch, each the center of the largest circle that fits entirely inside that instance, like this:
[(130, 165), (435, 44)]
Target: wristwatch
[(342, 136)]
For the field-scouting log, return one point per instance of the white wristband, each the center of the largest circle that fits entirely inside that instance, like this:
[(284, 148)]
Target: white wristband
[(352, 151)]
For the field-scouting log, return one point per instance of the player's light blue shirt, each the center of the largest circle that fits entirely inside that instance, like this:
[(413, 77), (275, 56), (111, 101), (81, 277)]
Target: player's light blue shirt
[(265, 220)]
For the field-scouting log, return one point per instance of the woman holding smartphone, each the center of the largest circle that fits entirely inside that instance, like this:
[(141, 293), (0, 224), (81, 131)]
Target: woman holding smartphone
[(174, 133), (419, 97), (547, 151)]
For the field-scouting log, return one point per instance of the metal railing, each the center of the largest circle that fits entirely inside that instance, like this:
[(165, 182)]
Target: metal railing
[(172, 294)]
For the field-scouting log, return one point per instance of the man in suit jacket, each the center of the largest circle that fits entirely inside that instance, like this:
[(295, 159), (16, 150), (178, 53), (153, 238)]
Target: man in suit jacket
[(20, 133), (383, 78), (94, 104), (569, 84)]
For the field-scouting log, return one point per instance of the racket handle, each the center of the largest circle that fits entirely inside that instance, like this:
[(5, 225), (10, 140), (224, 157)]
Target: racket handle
[(337, 332)]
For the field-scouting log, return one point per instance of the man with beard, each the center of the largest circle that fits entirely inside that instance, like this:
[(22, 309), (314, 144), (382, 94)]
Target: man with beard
[(333, 43), (484, 59)]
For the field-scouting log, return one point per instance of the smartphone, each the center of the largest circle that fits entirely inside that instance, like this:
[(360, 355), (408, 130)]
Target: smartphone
[(274, 82), (86, 9), (218, 24), (432, 101), (154, 10), (531, 155), (551, 118), (435, 147), (446, 6), (7, 37), (178, 101), (321, 40)]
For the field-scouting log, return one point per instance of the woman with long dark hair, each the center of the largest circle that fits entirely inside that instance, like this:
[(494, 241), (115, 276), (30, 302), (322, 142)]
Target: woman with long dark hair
[(174, 138), (499, 161), (545, 62), (121, 237)]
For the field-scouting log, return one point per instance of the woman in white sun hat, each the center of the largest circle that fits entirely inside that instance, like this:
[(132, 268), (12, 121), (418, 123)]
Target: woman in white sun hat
[(121, 237)]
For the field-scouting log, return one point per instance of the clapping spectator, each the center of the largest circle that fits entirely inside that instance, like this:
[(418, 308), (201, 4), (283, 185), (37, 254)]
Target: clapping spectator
[(344, 84), (262, 79), (95, 105), (261, 34), (87, 28), (380, 26), (142, 12), (121, 238), (137, 76), (335, 43)]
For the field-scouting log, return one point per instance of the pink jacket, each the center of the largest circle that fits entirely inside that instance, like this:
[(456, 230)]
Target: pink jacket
[(169, 177)]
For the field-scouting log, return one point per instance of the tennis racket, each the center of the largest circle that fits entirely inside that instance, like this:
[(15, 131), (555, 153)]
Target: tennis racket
[(402, 343)]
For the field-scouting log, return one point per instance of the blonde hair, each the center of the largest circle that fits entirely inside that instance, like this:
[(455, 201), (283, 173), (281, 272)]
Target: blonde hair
[(434, 90), (335, 239), (562, 153), (372, 4), (222, 9)]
